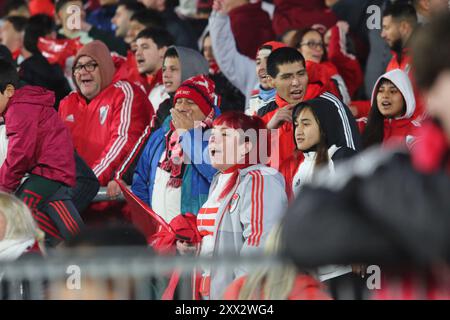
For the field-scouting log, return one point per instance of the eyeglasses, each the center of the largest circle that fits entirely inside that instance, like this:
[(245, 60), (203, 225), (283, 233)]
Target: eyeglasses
[(89, 67), (312, 44)]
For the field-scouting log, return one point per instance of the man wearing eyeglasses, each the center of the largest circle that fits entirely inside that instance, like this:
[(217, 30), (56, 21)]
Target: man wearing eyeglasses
[(108, 120)]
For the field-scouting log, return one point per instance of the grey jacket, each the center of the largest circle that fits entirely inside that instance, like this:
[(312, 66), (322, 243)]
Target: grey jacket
[(242, 224), (238, 68)]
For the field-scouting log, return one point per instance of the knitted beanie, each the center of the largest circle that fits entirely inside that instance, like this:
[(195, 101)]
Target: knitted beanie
[(199, 89)]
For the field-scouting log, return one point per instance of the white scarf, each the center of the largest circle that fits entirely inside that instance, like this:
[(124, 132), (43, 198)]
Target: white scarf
[(10, 250)]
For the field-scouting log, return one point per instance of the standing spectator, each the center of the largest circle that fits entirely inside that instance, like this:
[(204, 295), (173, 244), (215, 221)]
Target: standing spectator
[(393, 106), (106, 119), (152, 45), (236, 67), (399, 24), (231, 97), (245, 18), (310, 43)]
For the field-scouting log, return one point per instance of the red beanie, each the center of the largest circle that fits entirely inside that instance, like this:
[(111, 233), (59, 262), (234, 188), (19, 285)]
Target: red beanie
[(199, 89), (272, 45)]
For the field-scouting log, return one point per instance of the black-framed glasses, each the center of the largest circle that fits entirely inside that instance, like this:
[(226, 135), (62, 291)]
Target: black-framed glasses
[(313, 44), (89, 67)]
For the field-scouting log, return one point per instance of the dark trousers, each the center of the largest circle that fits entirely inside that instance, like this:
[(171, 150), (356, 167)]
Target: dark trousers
[(52, 208)]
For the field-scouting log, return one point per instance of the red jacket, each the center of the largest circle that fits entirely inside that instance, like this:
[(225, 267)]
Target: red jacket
[(305, 288), (126, 69), (38, 141), (405, 65), (347, 65), (251, 28), (108, 130), (299, 14)]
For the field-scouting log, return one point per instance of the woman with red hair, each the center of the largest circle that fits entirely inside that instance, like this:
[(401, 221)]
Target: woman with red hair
[(246, 199)]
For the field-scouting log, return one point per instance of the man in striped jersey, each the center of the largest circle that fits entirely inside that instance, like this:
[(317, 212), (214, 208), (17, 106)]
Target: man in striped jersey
[(108, 120)]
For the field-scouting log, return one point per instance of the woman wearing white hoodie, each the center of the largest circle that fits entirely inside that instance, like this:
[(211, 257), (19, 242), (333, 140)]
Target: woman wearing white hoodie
[(390, 118)]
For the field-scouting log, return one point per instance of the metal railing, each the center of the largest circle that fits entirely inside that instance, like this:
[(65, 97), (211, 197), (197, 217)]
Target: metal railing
[(122, 274)]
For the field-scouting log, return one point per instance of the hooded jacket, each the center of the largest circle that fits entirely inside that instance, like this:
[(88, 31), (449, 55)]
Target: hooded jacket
[(402, 128), (192, 64), (342, 137), (112, 126), (38, 141)]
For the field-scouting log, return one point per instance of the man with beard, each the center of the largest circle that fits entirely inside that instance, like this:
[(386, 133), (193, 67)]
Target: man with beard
[(399, 24)]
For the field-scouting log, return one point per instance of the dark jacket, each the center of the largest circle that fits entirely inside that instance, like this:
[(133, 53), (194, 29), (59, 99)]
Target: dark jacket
[(37, 71)]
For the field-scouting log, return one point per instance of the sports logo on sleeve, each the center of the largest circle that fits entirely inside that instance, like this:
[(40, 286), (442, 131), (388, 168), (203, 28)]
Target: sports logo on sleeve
[(103, 114), (234, 202)]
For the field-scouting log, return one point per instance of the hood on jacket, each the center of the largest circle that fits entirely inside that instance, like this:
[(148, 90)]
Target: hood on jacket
[(400, 79), (98, 51), (33, 95), (335, 120), (192, 63)]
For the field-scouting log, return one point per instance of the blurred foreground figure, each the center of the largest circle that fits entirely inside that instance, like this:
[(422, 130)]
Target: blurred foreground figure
[(389, 208)]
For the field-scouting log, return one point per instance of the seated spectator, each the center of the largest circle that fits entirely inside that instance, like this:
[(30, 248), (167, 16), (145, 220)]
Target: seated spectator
[(19, 233), (101, 17), (245, 201), (277, 283), (152, 45), (35, 69), (390, 118), (231, 97), (172, 176), (38, 145), (179, 64), (12, 32), (108, 120)]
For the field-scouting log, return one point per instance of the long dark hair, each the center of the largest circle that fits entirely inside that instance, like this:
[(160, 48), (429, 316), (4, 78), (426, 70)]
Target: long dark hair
[(321, 148), (374, 131)]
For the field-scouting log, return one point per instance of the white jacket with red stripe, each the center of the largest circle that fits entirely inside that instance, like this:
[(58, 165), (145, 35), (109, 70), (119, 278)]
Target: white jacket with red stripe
[(244, 219), (109, 129)]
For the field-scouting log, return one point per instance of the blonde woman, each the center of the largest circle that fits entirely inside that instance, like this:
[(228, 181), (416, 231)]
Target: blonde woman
[(18, 231), (277, 283)]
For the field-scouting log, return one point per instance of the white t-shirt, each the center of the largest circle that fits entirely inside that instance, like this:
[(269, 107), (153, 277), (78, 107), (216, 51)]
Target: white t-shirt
[(166, 201)]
